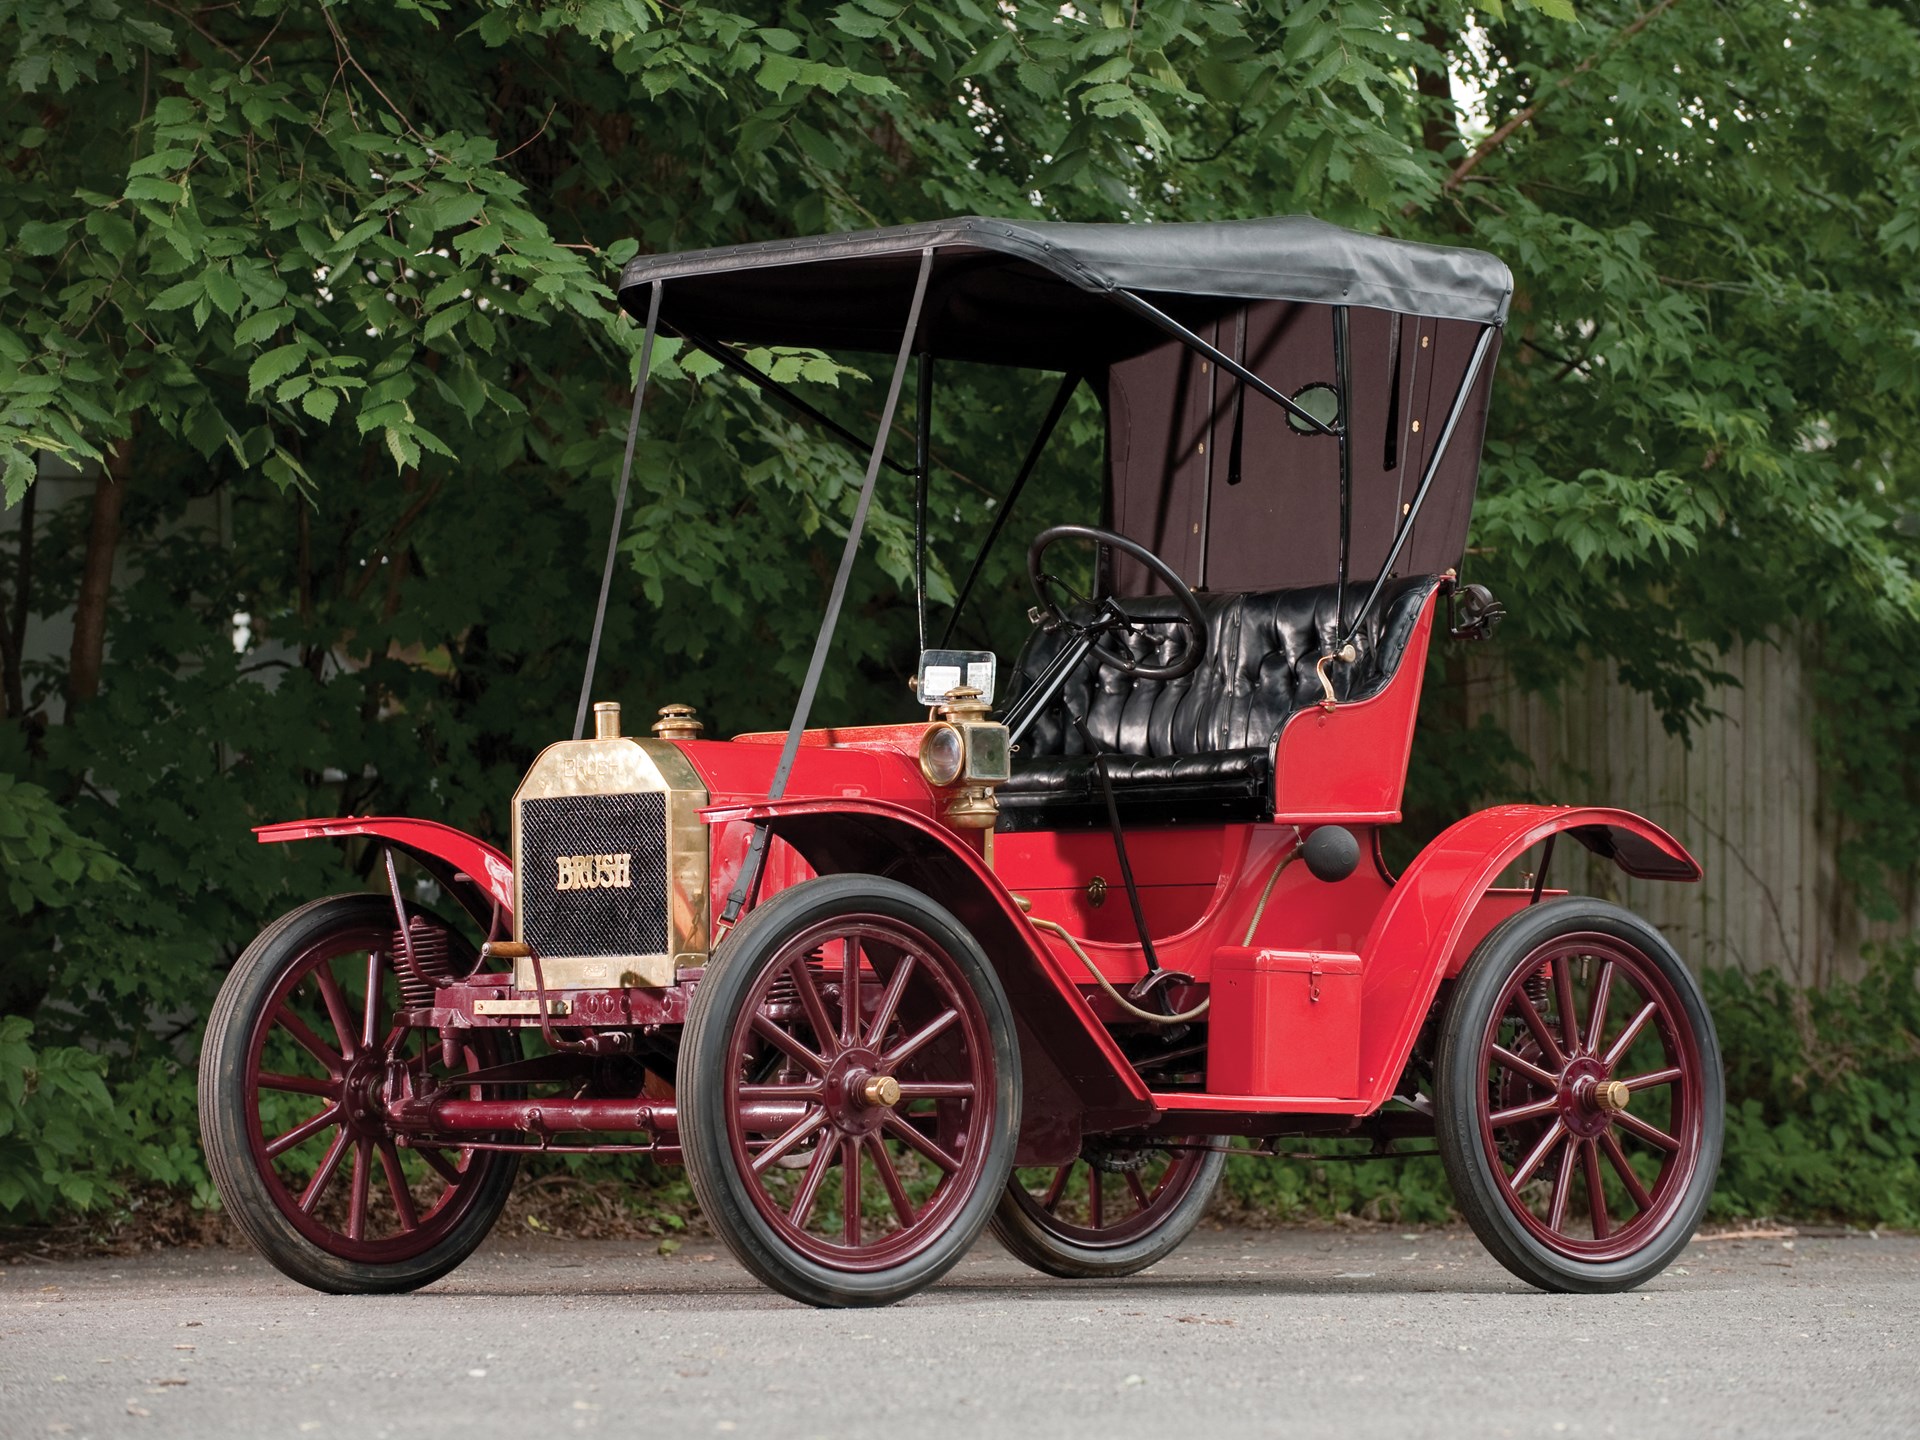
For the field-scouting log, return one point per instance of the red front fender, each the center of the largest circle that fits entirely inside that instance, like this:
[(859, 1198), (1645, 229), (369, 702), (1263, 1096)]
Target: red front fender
[(472, 871), (1418, 929), (849, 835)]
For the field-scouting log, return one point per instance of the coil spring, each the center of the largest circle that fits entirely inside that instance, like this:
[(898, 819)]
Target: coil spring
[(432, 953), (1538, 990)]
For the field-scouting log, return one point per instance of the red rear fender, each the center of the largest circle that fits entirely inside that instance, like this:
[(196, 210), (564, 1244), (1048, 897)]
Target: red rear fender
[(472, 871), (1428, 912)]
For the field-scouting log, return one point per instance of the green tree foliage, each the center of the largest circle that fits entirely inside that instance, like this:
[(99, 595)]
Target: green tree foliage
[(323, 291)]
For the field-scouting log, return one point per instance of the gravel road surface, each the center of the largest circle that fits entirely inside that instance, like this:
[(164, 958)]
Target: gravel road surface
[(1292, 1332)]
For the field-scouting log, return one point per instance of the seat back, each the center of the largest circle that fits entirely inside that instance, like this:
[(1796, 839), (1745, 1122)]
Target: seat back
[(1262, 647)]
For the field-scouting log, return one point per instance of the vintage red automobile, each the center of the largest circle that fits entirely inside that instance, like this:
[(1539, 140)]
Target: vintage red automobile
[(1036, 965)]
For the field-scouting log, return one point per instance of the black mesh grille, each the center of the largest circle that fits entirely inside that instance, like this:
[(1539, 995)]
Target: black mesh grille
[(597, 919)]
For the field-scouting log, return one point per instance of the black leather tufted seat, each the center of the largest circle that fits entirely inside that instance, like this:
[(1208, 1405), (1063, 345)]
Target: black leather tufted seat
[(1201, 747)]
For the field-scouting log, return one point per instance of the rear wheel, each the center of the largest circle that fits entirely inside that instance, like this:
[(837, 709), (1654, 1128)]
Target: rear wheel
[(849, 1092), (1110, 1211), (1579, 1097), (299, 1050)]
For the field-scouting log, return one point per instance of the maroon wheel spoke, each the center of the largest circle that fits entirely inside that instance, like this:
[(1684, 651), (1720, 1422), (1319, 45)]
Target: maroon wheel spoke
[(370, 1024), (850, 1001), (1536, 1110), (317, 1186), (1611, 1144), (850, 1188), (1596, 1192), (936, 1090), (1537, 1156), (1544, 1079), (1563, 999), (1562, 1189), (362, 1183), (809, 1189), (335, 999), (825, 1033), (814, 1120), (1631, 1033), (1652, 1134), (1654, 1078), (889, 1179), (901, 1129), (299, 1084), (900, 1053), (439, 1164), (764, 1027), (310, 1042), (1096, 1200), (1138, 1191), (1597, 1013), (303, 1132), (397, 1183), (1542, 1036), (1058, 1188), (890, 1000), (778, 1094)]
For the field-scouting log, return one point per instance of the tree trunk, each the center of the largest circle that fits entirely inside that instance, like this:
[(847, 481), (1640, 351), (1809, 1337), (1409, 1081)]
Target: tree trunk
[(13, 616), (96, 579), (1440, 121)]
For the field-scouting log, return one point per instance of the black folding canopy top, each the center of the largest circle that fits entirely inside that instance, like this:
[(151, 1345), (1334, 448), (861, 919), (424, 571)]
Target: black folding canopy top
[(1200, 339), (997, 293)]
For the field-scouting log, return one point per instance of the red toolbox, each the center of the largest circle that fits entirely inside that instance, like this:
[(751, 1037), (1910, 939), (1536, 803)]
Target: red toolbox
[(1284, 1022)]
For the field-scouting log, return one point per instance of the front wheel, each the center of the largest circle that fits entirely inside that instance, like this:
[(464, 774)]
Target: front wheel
[(299, 1050), (1579, 1098), (849, 1091), (1110, 1212)]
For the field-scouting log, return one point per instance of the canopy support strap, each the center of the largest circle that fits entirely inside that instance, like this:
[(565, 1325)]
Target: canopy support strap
[(922, 460), (1220, 357), (757, 848), (1343, 376), (1459, 407), (619, 508), (1068, 383)]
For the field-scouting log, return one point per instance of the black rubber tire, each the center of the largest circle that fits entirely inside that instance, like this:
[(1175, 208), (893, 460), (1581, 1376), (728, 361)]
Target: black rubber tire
[(1029, 1240), (224, 1118), (1458, 1082), (715, 1177)]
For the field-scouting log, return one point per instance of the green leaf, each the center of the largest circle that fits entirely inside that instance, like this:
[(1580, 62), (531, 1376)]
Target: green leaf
[(273, 366), (176, 297), (320, 403), (481, 240), (38, 237), (223, 290)]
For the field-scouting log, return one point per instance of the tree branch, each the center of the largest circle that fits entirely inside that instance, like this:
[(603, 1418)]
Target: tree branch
[(1525, 116)]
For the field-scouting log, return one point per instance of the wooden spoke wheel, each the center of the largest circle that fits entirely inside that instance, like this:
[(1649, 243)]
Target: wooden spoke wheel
[(1109, 1212), (849, 1093), (1579, 1097), (299, 1052)]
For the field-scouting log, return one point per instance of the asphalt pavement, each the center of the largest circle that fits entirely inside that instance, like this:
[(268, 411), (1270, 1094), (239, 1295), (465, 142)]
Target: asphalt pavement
[(1292, 1332)]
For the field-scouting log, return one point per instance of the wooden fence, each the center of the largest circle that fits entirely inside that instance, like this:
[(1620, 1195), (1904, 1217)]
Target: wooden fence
[(1745, 795)]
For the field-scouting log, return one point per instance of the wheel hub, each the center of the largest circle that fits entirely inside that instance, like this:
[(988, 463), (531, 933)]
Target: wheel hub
[(1581, 1084), (859, 1093), (360, 1094)]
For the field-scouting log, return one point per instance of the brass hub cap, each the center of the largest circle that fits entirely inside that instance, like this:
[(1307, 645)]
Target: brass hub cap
[(1611, 1096), (881, 1090)]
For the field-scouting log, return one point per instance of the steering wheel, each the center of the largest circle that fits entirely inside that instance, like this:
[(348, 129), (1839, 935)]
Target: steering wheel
[(1108, 616)]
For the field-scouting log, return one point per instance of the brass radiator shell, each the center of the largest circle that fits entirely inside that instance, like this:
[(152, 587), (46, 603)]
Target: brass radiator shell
[(621, 766)]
